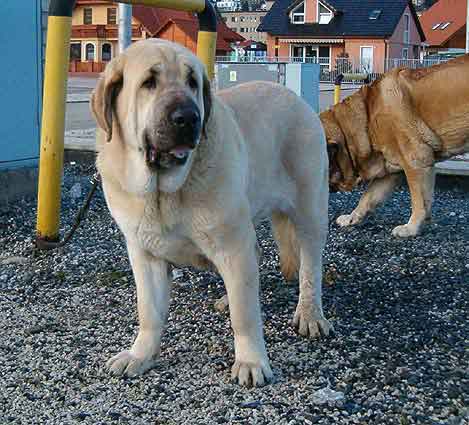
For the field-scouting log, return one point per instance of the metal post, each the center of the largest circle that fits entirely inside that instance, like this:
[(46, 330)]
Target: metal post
[(59, 27), (337, 88), (207, 38), (125, 26)]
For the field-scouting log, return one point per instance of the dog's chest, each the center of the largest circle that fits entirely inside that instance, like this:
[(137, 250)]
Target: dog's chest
[(162, 233)]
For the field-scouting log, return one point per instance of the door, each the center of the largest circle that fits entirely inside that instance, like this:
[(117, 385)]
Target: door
[(311, 54), (297, 53), (304, 53), (366, 59)]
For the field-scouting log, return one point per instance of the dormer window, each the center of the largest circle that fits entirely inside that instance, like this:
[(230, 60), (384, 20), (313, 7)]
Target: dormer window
[(375, 14), (434, 27), (324, 14), (298, 14)]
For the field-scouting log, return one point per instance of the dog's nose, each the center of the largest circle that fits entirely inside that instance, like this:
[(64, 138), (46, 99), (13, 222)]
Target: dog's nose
[(184, 118)]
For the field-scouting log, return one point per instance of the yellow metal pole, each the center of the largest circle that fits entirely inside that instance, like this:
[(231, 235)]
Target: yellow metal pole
[(53, 118), (336, 94), (207, 38), (206, 50)]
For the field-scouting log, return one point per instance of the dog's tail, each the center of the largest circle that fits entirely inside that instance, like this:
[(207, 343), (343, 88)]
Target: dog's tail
[(285, 235)]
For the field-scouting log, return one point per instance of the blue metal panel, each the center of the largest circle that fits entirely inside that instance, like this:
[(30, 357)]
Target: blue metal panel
[(20, 82), (310, 84), (303, 79)]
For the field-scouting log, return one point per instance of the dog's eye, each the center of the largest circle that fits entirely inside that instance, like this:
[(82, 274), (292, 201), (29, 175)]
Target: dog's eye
[(192, 82), (150, 83)]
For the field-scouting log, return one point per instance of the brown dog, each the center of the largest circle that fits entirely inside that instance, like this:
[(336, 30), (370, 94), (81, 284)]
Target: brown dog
[(401, 124)]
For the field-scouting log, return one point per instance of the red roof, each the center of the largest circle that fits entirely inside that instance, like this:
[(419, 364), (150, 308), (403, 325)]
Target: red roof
[(442, 13), (156, 19)]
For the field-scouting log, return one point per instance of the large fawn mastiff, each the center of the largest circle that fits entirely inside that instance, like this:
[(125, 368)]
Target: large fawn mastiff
[(188, 173)]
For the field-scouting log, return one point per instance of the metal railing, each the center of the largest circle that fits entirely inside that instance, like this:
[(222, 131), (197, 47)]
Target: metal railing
[(331, 69)]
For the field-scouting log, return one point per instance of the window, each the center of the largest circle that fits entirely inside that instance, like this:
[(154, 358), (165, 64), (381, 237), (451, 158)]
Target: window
[(298, 14), (434, 27), (89, 55), (106, 52), (75, 51), (241, 29), (324, 14), (87, 16), (112, 16), (241, 19), (233, 19), (324, 51), (375, 14), (405, 53), (445, 25), (406, 28), (304, 53)]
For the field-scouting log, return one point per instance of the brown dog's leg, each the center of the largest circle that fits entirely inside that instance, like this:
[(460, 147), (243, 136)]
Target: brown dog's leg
[(421, 184), (376, 193)]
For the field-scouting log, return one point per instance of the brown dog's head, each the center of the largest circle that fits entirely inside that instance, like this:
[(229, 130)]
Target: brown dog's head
[(154, 100), (342, 175)]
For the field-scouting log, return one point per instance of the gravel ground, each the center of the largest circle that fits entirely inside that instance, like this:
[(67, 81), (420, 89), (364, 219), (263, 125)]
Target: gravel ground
[(399, 307)]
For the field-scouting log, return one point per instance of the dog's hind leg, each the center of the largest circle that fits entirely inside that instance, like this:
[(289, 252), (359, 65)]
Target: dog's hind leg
[(284, 233), (376, 193), (310, 220)]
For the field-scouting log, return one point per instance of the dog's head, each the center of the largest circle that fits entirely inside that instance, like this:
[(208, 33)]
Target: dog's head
[(154, 100), (342, 175)]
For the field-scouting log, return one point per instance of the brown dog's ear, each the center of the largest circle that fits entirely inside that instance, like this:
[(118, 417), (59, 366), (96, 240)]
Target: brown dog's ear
[(207, 93), (103, 98), (332, 148)]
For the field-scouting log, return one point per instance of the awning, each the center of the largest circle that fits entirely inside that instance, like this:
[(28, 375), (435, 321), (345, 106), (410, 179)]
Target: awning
[(312, 40)]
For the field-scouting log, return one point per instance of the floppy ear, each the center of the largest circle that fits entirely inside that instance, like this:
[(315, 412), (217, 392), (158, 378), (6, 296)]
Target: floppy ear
[(332, 149), (207, 94), (103, 98)]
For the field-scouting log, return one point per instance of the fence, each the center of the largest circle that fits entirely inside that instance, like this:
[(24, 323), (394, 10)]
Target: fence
[(330, 69)]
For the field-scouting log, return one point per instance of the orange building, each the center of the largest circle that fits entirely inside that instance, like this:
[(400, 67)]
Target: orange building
[(94, 39), (367, 32)]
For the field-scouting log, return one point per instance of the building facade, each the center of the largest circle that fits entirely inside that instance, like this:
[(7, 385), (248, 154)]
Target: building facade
[(246, 23), (365, 34), (94, 40)]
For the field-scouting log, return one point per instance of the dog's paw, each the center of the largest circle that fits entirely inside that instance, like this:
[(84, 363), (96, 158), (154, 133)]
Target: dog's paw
[(128, 364), (405, 231), (251, 374), (348, 220), (221, 304), (309, 325)]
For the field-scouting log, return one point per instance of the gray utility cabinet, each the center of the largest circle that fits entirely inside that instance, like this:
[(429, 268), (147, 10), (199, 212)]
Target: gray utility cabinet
[(302, 78)]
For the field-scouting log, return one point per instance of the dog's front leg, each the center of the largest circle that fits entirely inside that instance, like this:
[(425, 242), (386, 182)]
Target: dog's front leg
[(153, 292), (376, 193), (421, 183), (234, 254)]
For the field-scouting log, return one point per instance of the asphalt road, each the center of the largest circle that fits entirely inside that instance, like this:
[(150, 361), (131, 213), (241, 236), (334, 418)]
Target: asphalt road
[(78, 115)]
